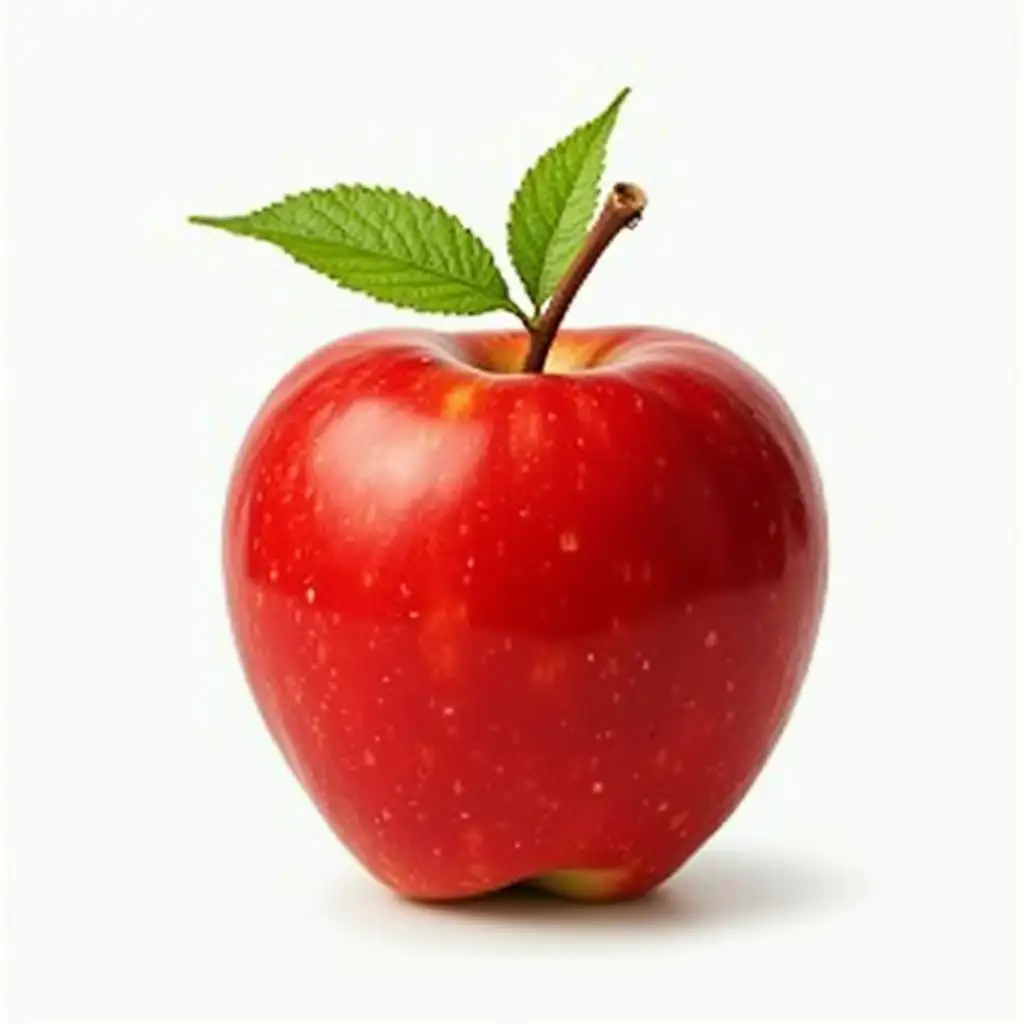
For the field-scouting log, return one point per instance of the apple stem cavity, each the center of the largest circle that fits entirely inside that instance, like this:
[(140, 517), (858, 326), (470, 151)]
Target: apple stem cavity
[(623, 208)]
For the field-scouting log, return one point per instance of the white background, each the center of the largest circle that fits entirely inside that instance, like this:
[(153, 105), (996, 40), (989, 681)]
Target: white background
[(832, 195)]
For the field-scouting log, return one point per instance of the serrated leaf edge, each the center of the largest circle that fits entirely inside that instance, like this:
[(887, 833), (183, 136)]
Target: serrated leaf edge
[(611, 110), (503, 300)]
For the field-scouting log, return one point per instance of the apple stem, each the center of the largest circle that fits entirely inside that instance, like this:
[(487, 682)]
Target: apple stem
[(622, 209)]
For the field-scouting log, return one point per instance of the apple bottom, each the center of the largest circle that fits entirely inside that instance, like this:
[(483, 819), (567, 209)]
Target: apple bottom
[(608, 883), (581, 885), (594, 886)]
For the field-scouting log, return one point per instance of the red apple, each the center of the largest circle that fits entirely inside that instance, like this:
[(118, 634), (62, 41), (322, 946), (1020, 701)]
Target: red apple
[(510, 626)]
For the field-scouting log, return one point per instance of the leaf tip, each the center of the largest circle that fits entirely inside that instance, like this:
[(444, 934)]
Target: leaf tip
[(613, 107)]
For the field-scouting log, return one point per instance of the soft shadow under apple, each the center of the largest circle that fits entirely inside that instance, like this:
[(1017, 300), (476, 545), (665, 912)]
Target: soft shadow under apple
[(720, 888)]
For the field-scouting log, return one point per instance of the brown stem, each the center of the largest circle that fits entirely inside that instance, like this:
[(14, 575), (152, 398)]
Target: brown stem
[(622, 209)]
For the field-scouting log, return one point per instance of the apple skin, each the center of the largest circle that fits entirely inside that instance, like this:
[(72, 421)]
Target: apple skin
[(510, 627)]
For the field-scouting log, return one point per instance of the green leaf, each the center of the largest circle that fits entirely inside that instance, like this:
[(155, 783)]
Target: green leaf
[(555, 203), (392, 246)]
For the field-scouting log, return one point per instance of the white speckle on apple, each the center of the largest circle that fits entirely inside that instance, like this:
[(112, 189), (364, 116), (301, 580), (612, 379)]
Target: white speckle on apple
[(385, 814), (591, 656), (755, 504), (689, 705), (369, 759), (273, 574), (259, 599), (500, 548), (730, 715), (457, 787), (645, 665), (310, 595), (413, 614), (464, 815), (403, 589), (297, 616), (568, 542), (597, 787), (321, 652), (436, 851), (730, 686), (773, 596), (448, 711), (616, 697), (662, 807), (626, 571), (677, 821), (507, 643), (367, 579), (470, 562), (711, 640)]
